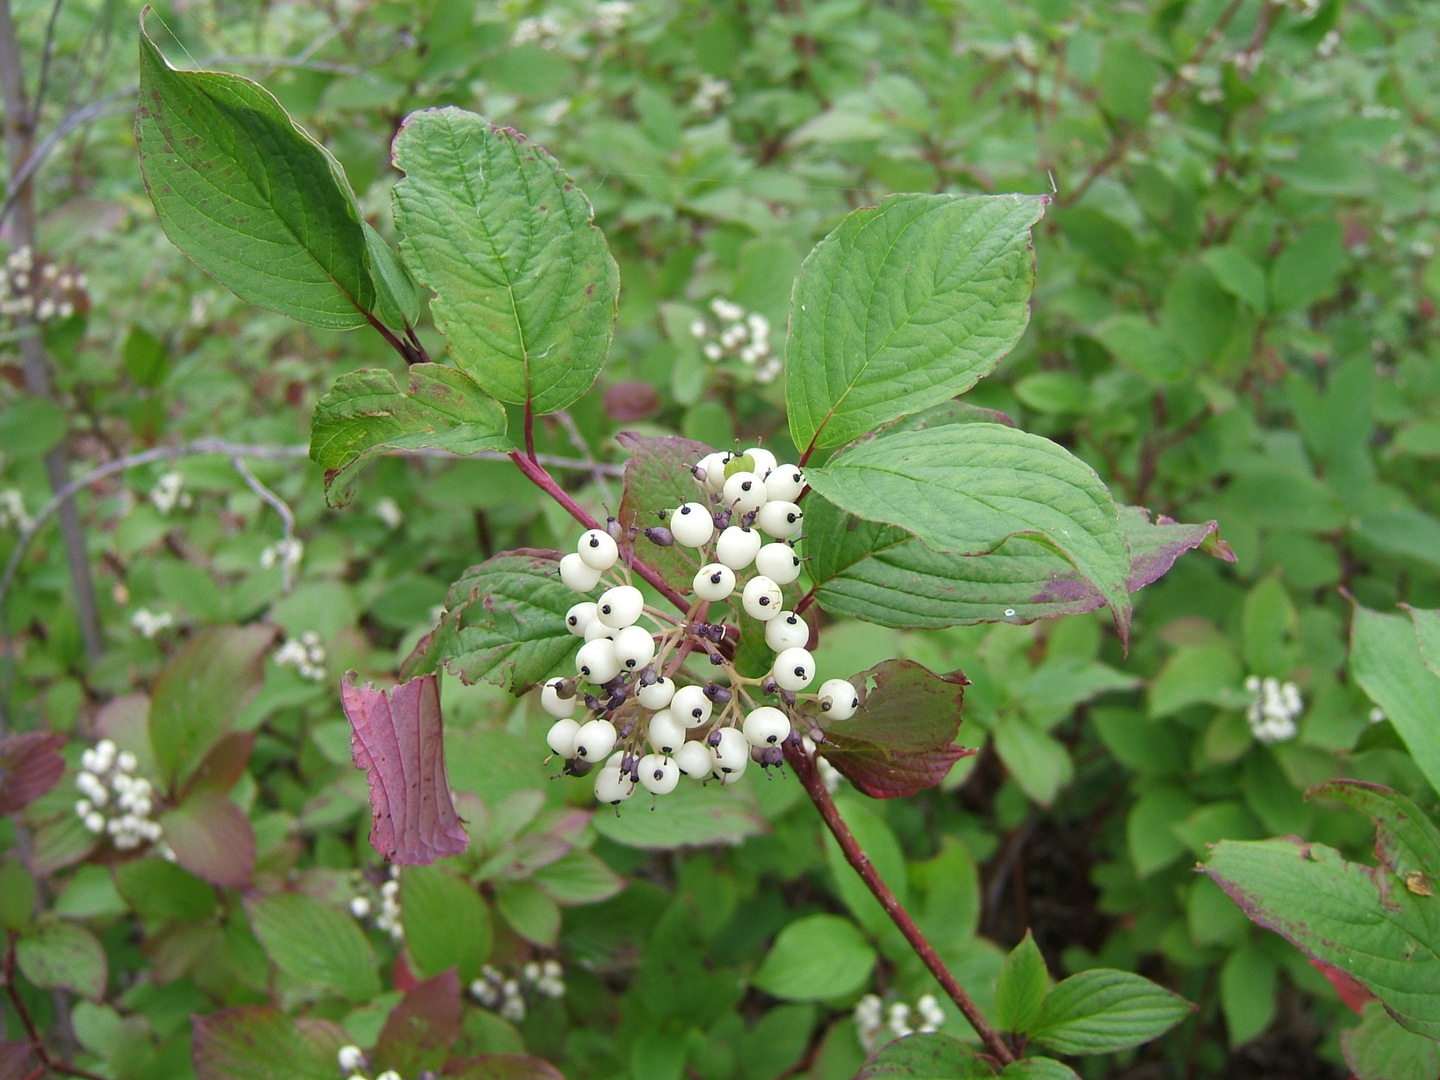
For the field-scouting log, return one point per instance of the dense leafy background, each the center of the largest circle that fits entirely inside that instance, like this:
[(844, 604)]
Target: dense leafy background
[(1234, 319)]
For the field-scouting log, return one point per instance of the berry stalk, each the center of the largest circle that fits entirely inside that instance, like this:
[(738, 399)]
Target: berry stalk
[(804, 766)]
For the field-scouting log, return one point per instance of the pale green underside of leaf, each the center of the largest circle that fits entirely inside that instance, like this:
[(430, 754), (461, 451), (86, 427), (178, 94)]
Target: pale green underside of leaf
[(1387, 662), (965, 489), (365, 414), (249, 196), (903, 306), (525, 286), (1102, 1010)]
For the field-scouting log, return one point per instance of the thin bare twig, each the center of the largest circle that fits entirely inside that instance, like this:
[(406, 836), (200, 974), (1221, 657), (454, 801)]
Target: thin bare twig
[(287, 520), (598, 475)]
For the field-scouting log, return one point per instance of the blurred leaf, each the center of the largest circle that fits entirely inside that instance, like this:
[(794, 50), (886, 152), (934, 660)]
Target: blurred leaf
[(689, 815), (30, 765), (816, 958), (422, 1028), (397, 737), (1380, 1049), (17, 1060), (315, 944), (447, 923), (56, 954), (212, 838), (905, 305), (529, 911), (1101, 1011), (1023, 986), (1386, 661), (156, 888), (1149, 827), (1039, 1068), (1038, 762), (1248, 980), (30, 426), (145, 357), (1308, 269), (925, 1057), (259, 1042), (18, 893), (1140, 345), (1239, 275), (526, 288), (249, 196), (499, 1067), (365, 414), (578, 878)]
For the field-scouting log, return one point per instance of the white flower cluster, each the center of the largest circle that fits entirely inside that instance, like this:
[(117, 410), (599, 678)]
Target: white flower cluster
[(647, 728), (874, 1020), (542, 30), (353, 1063), (284, 553), (167, 493), (115, 802), (710, 96), (148, 623), (12, 511), (506, 996), (305, 654), (1273, 709), (611, 17), (387, 918), (43, 292), (742, 335)]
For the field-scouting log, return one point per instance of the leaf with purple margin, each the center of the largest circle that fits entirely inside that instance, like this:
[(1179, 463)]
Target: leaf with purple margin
[(500, 1067), (902, 739), (259, 1042), (212, 838), (30, 765), (657, 477), (924, 1057), (1379, 925), (397, 737), (881, 574), (422, 1026)]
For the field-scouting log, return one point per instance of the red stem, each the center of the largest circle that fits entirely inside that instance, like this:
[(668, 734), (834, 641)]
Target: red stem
[(805, 769), (541, 478), (529, 431), (31, 1031)]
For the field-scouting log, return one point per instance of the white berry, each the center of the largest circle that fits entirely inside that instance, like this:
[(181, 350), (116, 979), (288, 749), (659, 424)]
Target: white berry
[(597, 661), (597, 549), (690, 706), (762, 460), (665, 733), (737, 547), (621, 606), (714, 581), (692, 525), (598, 629), (561, 737), (794, 669), (762, 598), (580, 616), (784, 483), (658, 694), (634, 647), (658, 774), (694, 760), (780, 519), (766, 726), (838, 699), (595, 739), (714, 467), (786, 631), (778, 562), (743, 492), (731, 752), (577, 576), (553, 703), (612, 786)]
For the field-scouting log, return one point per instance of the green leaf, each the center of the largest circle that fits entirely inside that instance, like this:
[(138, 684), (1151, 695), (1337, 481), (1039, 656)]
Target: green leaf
[(145, 357), (689, 815), (258, 1042), (447, 923), (965, 489), (1380, 1049), (1148, 827), (366, 413), (880, 574), (816, 958), (1239, 275), (925, 1057), (529, 911), (1103, 1010), (1247, 992), (1380, 926), (315, 944), (578, 878), (1427, 634), (1039, 762), (525, 285), (882, 848), (657, 477), (397, 298), (905, 305), (30, 426), (204, 687), (18, 893), (58, 955), (158, 889), (1023, 985), (249, 196), (505, 622), (1386, 661), (1308, 269), (1039, 1068)]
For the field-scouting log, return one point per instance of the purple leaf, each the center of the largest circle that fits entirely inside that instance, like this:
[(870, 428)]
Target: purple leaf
[(14, 1059), (422, 1027), (500, 1067), (30, 765), (212, 838), (397, 737), (903, 738)]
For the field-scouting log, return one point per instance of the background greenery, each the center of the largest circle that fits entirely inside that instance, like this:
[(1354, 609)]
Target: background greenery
[(1233, 320)]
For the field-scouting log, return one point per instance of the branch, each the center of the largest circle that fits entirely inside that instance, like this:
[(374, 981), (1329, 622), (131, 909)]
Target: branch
[(804, 766)]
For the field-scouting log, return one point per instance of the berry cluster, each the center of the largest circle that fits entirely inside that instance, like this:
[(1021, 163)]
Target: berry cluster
[(353, 1062), (1274, 707), (387, 918), (305, 654), (643, 725), (39, 289), (115, 802), (741, 335), (876, 1023), (505, 995)]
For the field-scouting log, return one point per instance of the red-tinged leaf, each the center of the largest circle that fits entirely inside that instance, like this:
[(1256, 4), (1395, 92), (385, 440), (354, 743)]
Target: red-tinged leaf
[(258, 1042), (30, 765), (422, 1027), (902, 740), (1351, 992), (60, 955), (397, 737), (657, 477), (225, 764), (500, 1067), (212, 838), (628, 402), (16, 1060), (125, 721)]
